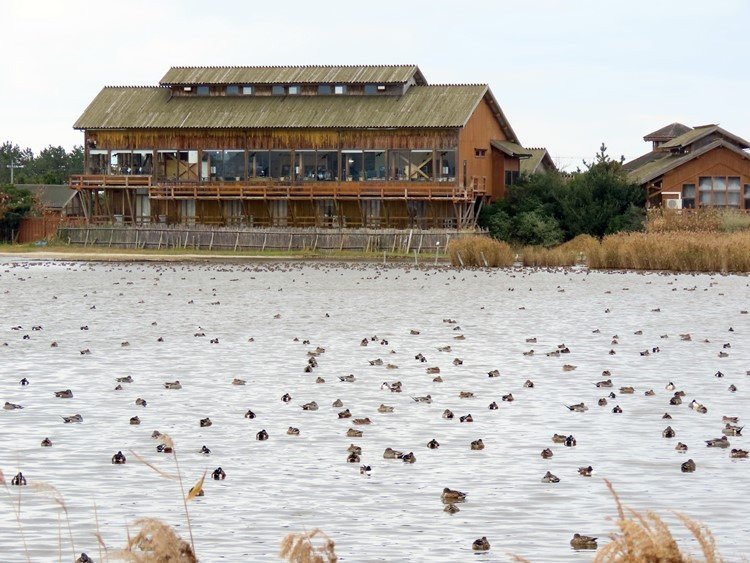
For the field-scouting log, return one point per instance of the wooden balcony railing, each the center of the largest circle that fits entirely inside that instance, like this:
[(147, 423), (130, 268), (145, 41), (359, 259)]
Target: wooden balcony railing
[(96, 181)]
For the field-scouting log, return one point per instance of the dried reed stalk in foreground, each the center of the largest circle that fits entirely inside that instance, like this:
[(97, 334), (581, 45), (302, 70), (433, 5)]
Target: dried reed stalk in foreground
[(156, 542), (646, 537), (299, 548)]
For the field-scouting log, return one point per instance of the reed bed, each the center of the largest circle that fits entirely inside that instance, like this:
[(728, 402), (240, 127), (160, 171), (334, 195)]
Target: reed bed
[(646, 537), (571, 253), (480, 251), (709, 220)]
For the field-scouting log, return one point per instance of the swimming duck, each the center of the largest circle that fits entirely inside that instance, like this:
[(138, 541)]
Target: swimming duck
[(559, 438), (390, 453), (156, 434), (134, 420), (528, 384), (722, 442), (433, 444), (118, 387), (409, 458), (394, 387), (24, 381), (465, 394), (140, 402), (444, 349), (425, 399), (352, 458), (205, 422), (364, 469), (650, 393), (667, 416), (730, 430), (668, 432), (481, 544), (46, 443), (585, 471), (675, 400), (670, 386), (433, 370), (466, 418), (730, 419), (311, 406), (118, 458), (477, 445), (579, 407), (737, 453), (493, 373), (347, 378), (448, 414), (732, 388), (345, 414), (688, 466), (493, 406), (569, 367), (249, 414), (450, 496), (546, 453), (262, 435), (337, 403), (18, 480), (458, 362), (698, 407), (11, 406), (204, 450), (583, 542), (570, 441), (385, 408), (680, 447), (508, 398), (617, 409), (611, 395), (602, 402), (286, 398), (451, 508), (419, 357), (238, 381), (353, 448), (172, 385), (71, 419), (354, 433), (627, 390), (292, 431), (218, 474), (550, 478), (362, 421), (607, 383), (84, 559), (437, 379)]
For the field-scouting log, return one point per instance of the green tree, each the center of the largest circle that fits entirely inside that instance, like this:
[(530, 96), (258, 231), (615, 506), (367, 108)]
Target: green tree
[(15, 204)]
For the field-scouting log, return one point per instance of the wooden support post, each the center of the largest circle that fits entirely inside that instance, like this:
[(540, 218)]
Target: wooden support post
[(211, 244), (291, 236), (265, 238), (87, 238), (236, 241), (111, 233), (161, 234)]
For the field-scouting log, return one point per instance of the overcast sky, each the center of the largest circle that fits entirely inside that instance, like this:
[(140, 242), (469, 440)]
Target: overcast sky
[(568, 74)]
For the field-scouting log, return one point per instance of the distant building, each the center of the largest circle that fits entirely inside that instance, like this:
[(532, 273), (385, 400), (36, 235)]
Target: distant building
[(540, 162), (334, 146), (54, 199), (690, 167)]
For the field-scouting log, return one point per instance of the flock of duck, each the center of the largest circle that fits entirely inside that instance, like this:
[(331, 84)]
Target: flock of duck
[(606, 394)]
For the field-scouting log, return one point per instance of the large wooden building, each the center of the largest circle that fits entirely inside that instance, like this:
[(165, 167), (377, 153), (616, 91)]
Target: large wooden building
[(340, 146), (691, 167)]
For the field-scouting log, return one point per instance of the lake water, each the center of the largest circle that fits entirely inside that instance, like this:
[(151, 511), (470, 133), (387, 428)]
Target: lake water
[(295, 483)]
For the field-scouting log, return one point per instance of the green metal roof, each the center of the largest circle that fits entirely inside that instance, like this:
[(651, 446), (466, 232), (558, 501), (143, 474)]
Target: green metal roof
[(667, 132), (156, 108), (51, 196), (342, 74), (511, 149), (531, 165), (699, 133)]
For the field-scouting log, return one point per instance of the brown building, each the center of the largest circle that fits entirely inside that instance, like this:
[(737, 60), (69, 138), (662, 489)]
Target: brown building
[(704, 166), (339, 146)]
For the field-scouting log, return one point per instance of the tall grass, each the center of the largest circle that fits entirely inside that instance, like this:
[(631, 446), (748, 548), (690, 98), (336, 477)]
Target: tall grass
[(703, 220), (575, 251), (480, 251)]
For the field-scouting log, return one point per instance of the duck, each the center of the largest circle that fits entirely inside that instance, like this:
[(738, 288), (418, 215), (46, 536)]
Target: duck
[(675, 400), (249, 414), (650, 393), (668, 432), (493, 373), (450, 496), (670, 386), (559, 438), (18, 480), (134, 420), (205, 422), (409, 458), (680, 447), (481, 544), (466, 418), (722, 442), (426, 399), (354, 448), (362, 421), (731, 430), (118, 387), (737, 453), (585, 471), (550, 478), (451, 508), (579, 407), (447, 414), (583, 542), (458, 362), (345, 414), (24, 382), (688, 466), (311, 406), (666, 416), (262, 435), (385, 408), (627, 390), (732, 388), (11, 406), (390, 453), (364, 469), (570, 441), (602, 402), (617, 409), (118, 458), (354, 433), (493, 406), (433, 370), (433, 444), (546, 453), (528, 384), (140, 402), (394, 387), (172, 385), (730, 419), (437, 379), (698, 407), (156, 434), (292, 431), (353, 457), (606, 383), (465, 394), (376, 362), (46, 443), (337, 403), (477, 444), (347, 378), (218, 474), (238, 381), (286, 398), (72, 419), (204, 450)]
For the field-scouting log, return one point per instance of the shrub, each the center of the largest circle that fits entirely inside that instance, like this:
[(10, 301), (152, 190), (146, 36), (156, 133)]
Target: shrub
[(532, 227), (476, 250)]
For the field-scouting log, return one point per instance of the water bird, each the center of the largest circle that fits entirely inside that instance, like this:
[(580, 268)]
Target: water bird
[(118, 458), (72, 419), (585, 471), (668, 432), (409, 458), (433, 444), (680, 447), (583, 542), (550, 478), (262, 435), (688, 466), (354, 433), (204, 450), (481, 544), (425, 399), (311, 406), (731, 430), (205, 422), (477, 444), (286, 397), (722, 442), (66, 394), (140, 402), (466, 418), (450, 496), (292, 431), (11, 406), (46, 443), (579, 407), (737, 453), (337, 403), (218, 474), (448, 414), (617, 409), (18, 480), (237, 381), (385, 408)]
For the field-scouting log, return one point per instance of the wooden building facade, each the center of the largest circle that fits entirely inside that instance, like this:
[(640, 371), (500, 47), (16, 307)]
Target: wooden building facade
[(689, 168), (337, 146)]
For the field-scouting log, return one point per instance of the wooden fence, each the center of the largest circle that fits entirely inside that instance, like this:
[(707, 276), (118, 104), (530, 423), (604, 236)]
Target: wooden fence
[(207, 238), (32, 229)]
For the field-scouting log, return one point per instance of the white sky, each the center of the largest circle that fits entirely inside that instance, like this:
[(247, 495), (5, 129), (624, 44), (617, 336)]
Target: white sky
[(568, 74)]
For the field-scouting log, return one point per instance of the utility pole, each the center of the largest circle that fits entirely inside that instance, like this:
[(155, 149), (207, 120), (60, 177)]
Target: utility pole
[(13, 166)]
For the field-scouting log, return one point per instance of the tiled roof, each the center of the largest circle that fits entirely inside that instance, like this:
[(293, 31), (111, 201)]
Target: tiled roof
[(668, 132)]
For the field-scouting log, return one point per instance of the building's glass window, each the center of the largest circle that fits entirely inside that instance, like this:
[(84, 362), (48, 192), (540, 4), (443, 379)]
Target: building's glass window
[(234, 165), (398, 165), (324, 89), (247, 90), (131, 162), (232, 90), (351, 165), (480, 153), (339, 89), (446, 166), (257, 164), (294, 90), (375, 166), (166, 165), (371, 89), (98, 161), (421, 166), (733, 191), (212, 165), (747, 196), (719, 191), (511, 177), (278, 90), (202, 90), (187, 166), (327, 165), (281, 165), (688, 196), (706, 186), (304, 165)]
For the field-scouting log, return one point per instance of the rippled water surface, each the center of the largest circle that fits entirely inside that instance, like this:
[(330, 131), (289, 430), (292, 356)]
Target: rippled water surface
[(294, 483)]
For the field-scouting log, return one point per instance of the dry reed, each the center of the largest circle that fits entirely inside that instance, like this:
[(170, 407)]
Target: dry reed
[(697, 221), (156, 542), (299, 548), (646, 537), (481, 251), (575, 251)]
